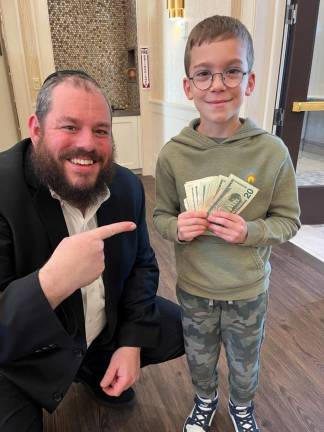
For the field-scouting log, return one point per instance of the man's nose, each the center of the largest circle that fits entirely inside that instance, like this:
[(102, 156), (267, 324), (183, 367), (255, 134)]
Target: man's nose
[(86, 139)]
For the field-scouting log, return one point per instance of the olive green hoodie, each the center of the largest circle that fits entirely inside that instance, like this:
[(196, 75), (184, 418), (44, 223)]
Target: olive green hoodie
[(209, 266)]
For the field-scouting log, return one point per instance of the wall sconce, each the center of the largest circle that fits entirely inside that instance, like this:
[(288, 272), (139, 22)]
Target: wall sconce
[(175, 8)]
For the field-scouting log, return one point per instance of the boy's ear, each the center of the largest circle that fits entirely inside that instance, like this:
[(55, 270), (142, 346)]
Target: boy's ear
[(250, 84), (34, 129), (186, 88)]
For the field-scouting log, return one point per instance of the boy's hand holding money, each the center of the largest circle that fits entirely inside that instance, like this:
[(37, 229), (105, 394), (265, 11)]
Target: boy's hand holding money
[(228, 226), (192, 224)]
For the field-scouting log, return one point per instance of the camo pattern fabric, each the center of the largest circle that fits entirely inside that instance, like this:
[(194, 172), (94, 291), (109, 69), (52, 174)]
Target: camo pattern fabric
[(239, 326)]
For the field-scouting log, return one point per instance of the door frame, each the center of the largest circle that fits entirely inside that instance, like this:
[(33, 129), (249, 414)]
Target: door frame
[(294, 87)]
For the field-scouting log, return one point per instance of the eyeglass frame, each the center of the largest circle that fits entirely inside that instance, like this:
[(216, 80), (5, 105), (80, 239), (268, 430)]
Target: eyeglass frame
[(212, 75)]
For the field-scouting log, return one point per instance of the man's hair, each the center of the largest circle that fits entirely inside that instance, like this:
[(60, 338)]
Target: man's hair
[(77, 78), (221, 28)]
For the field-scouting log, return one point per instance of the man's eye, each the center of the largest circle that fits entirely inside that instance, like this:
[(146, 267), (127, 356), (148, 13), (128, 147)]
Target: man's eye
[(69, 128), (101, 132)]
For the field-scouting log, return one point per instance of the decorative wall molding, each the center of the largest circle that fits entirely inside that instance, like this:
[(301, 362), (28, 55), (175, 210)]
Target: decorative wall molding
[(28, 46), (236, 9), (167, 120), (13, 40)]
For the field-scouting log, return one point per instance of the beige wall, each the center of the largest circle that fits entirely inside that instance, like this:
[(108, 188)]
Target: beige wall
[(9, 134), (28, 43)]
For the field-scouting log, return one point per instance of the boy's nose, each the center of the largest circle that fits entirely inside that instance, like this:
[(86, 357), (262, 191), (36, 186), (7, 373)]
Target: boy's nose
[(217, 81)]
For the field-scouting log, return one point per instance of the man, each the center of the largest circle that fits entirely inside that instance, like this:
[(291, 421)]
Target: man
[(76, 304)]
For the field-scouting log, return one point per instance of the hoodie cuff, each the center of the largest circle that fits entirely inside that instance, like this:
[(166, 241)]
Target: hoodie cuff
[(255, 233), (172, 231)]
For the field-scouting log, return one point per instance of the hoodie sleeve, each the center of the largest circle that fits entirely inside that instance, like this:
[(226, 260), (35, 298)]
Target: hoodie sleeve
[(167, 208), (282, 219)]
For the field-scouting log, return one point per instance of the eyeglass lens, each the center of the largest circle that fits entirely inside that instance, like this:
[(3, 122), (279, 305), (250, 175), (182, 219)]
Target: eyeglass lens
[(230, 77)]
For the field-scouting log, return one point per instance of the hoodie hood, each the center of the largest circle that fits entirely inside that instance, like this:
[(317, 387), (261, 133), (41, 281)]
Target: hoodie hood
[(191, 137)]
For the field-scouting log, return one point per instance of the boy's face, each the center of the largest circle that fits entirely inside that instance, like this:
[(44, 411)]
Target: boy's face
[(219, 106)]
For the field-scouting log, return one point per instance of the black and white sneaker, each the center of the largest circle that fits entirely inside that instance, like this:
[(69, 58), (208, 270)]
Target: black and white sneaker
[(201, 416), (242, 417)]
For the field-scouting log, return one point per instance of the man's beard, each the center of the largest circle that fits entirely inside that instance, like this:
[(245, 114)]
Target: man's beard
[(50, 173)]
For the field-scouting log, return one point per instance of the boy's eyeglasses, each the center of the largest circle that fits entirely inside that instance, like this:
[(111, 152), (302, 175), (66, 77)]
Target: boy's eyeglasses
[(231, 77)]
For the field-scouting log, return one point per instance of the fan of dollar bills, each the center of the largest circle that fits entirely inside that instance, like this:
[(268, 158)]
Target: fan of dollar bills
[(230, 194)]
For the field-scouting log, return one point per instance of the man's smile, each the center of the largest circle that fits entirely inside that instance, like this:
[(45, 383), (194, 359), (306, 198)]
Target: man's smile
[(76, 161)]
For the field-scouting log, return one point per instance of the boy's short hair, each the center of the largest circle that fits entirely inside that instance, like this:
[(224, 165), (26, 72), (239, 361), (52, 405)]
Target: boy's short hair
[(221, 28)]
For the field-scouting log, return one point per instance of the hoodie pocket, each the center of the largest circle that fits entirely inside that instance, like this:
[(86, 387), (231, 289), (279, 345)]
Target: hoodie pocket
[(210, 263)]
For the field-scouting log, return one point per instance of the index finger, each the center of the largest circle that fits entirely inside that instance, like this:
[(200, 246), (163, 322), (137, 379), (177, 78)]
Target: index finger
[(106, 231)]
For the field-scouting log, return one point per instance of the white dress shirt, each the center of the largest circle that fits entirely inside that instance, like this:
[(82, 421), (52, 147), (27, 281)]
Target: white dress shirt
[(93, 295)]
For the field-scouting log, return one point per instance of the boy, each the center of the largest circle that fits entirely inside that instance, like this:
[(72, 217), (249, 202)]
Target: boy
[(222, 258)]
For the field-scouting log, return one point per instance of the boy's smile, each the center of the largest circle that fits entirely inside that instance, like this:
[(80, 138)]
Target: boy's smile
[(219, 106)]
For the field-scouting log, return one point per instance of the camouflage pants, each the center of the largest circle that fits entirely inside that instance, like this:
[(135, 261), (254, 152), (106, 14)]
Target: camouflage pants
[(239, 326)]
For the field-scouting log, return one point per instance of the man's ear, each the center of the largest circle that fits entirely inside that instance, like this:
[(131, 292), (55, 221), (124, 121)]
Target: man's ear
[(187, 88), (250, 84), (34, 129)]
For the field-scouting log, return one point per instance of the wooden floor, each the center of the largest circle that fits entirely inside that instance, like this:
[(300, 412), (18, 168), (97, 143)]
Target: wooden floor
[(291, 391)]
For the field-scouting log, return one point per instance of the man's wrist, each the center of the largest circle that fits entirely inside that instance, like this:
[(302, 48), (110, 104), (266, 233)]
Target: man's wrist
[(46, 285)]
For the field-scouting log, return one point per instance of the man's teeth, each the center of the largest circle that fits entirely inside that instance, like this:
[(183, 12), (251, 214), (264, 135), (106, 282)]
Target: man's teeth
[(82, 161)]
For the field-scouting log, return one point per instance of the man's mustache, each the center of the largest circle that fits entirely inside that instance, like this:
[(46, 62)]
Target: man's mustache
[(80, 154)]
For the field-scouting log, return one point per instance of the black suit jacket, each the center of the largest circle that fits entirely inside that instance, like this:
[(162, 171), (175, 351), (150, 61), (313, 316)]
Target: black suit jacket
[(41, 349)]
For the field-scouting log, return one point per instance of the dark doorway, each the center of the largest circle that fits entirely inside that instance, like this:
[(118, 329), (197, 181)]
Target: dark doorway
[(299, 118)]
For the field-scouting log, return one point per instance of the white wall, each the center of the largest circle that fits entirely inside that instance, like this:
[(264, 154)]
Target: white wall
[(265, 21), (168, 45), (164, 108)]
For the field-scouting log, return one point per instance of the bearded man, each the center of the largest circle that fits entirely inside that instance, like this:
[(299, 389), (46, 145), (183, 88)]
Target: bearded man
[(78, 277)]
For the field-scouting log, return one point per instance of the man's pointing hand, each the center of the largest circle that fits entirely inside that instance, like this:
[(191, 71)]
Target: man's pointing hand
[(77, 261)]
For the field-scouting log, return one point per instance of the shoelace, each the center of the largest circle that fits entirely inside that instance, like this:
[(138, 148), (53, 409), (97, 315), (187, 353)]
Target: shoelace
[(245, 415), (202, 411)]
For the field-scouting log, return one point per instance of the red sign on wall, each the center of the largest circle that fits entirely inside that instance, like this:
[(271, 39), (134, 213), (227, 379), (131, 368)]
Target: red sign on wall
[(146, 85)]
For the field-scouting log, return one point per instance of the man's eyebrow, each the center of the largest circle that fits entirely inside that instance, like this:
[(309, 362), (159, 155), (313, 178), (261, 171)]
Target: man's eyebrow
[(67, 119), (103, 124)]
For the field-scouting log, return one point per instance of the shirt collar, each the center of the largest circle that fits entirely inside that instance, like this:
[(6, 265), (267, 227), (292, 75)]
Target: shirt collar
[(104, 196)]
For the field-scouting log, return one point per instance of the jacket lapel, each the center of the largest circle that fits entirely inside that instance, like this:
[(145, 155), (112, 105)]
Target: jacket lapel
[(50, 213), (109, 213)]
